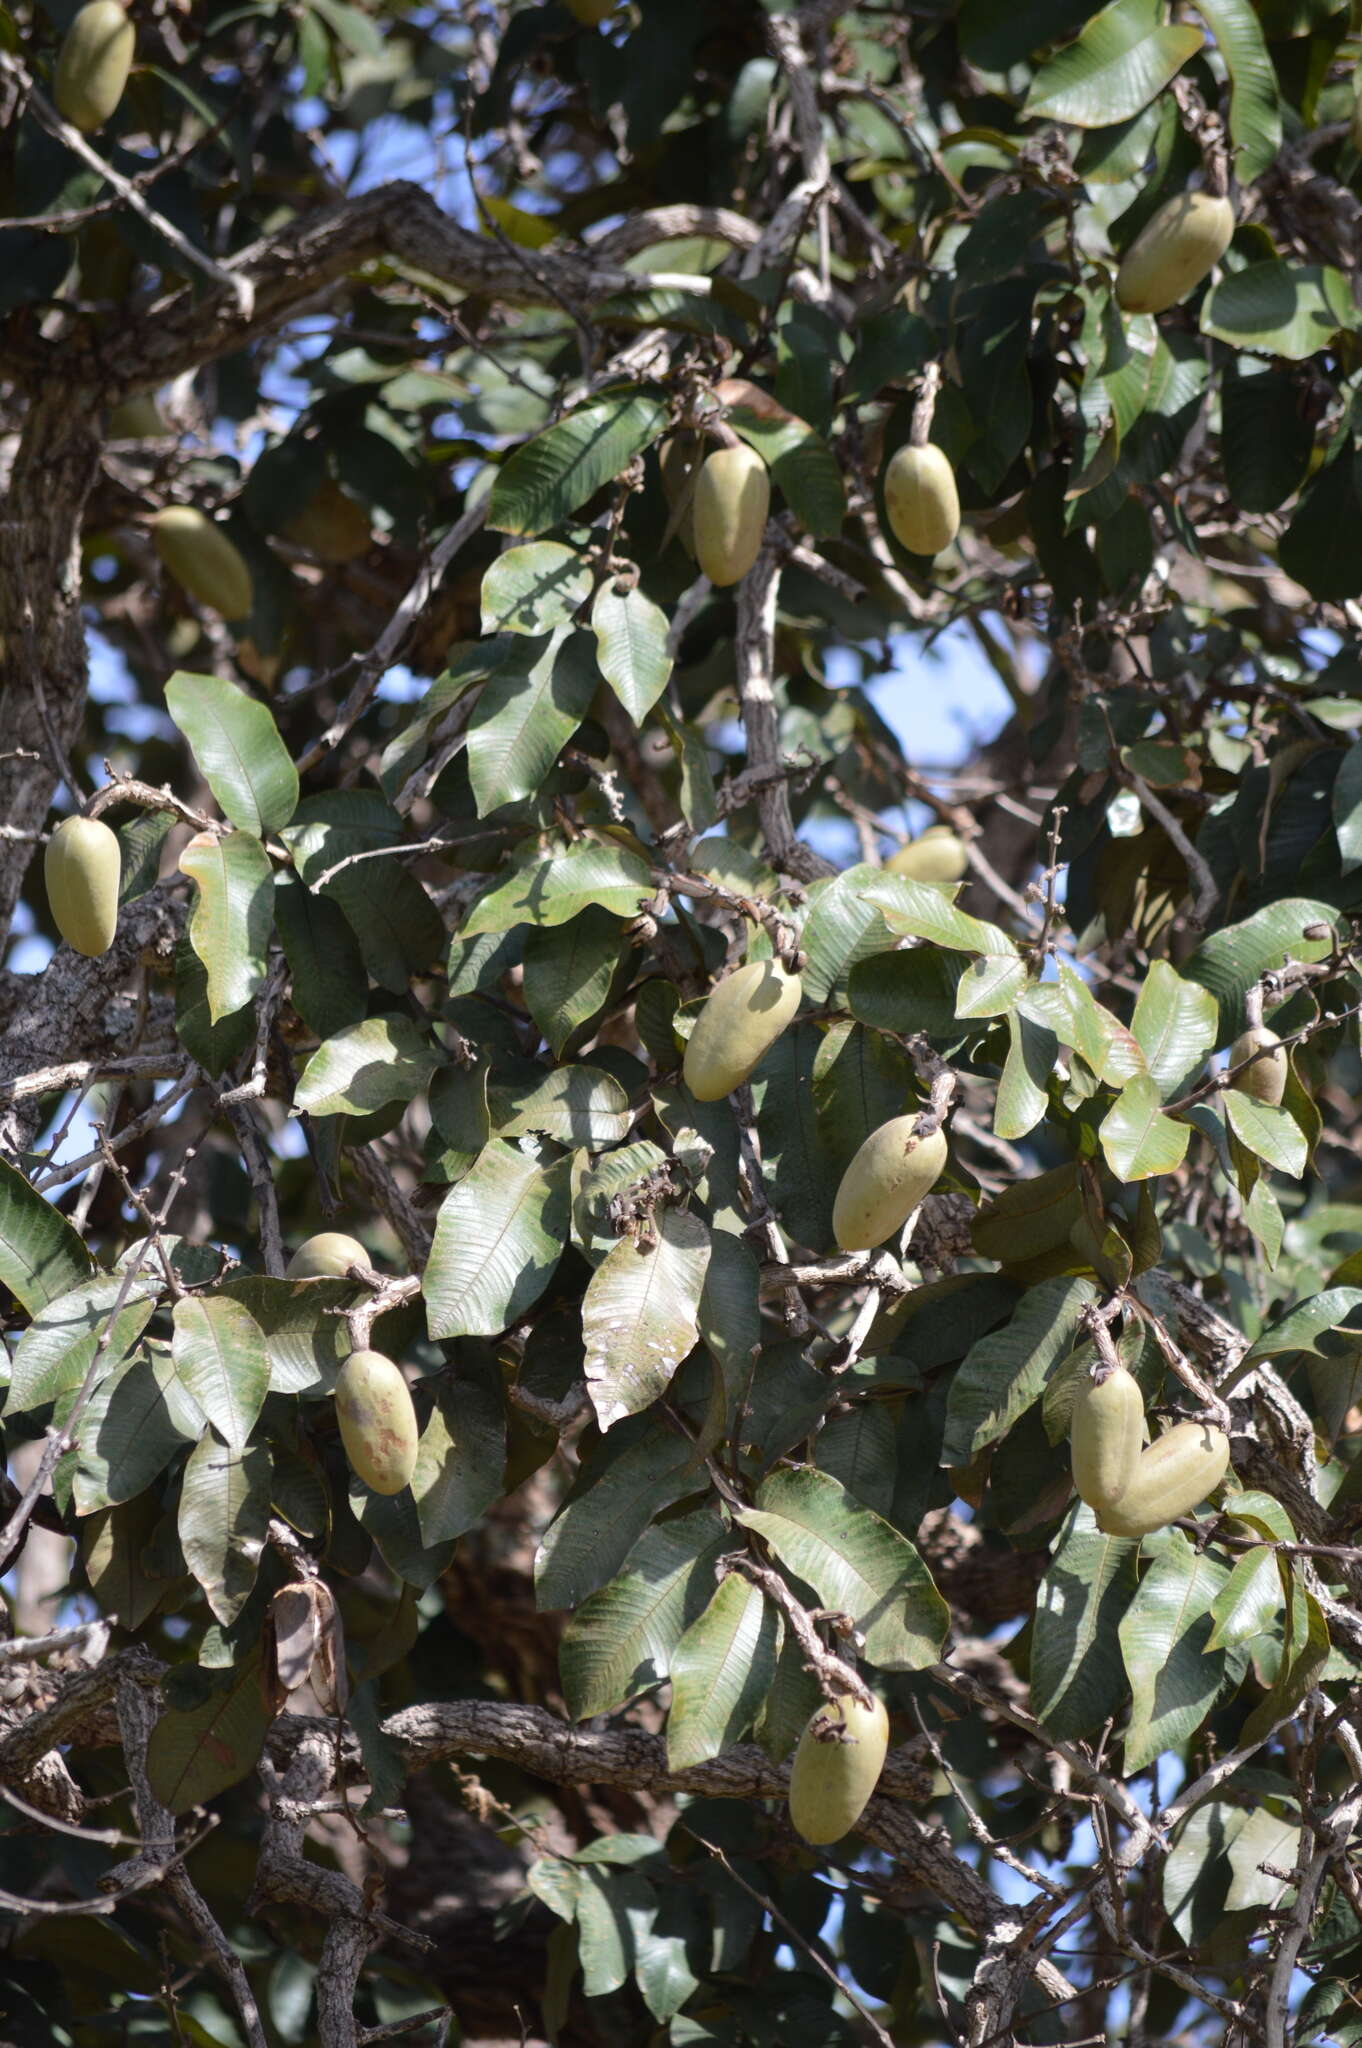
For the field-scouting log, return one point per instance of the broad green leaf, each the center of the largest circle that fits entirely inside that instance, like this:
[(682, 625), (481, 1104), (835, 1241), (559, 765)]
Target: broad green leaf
[(639, 1313), (631, 647), (994, 979), (574, 1105), (1176, 1024), (1347, 808), (860, 1080), (1138, 1139), (382, 1060), (139, 847), (1069, 1007), (136, 1420), (1023, 1092), (224, 1512), (533, 590), (1302, 1325), (462, 1453), (568, 972), (525, 717), (305, 1338), (1005, 1371), (58, 1347), (859, 1448), (1248, 1603), (1300, 1670), (238, 749), (798, 1164), (1116, 66), (610, 1905), (801, 464), (630, 1476), (41, 1255), (1232, 959), (1270, 1132), (1266, 437), (214, 1045), (855, 1562), (621, 1639), (392, 1521), (219, 1352), (910, 991), (498, 1237), (1264, 1843), (1165, 1642), (550, 476), (1315, 548), (842, 926), (210, 1733), (550, 888), (721, 1671), (1077, 1677), (327, 984), (233, 916), (1255, 114), (1279, 309), (112, 1543)]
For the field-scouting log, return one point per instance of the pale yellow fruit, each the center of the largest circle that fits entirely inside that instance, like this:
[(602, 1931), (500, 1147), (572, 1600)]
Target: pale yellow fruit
[(93, 65), (890, 1174), (741, 1020), (936, 855), (1172, 1476), (729, 508), (1173, 251), (1106, 1434), (136, 419), (921, 500), (203, 561), (836, 1767), (377, 1421), (329, 1255), (1266, 1079), (331, 526), (81, 868)]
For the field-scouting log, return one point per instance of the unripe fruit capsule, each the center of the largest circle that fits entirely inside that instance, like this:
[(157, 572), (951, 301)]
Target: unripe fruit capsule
[(1171, 1478), (732, 499), (1106, 1432), (136, 419), (329, 1255), (839, 1759), (1265, 1080), (921, 500), (742, 1019), (884, 1183), (200, 557), (377, 1421), (82, 867), (935, 856), (1173, 251), (93, 67)]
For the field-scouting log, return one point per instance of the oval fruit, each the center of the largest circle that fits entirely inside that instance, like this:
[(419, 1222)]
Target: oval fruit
[(732, 499), (742, 1019), (82, 867), (203, 561), (936, 855), (136, 419), (921, 500), (884, 1183), (839, 1759), (1265, 1080), (1170, 1479), (1106, 1433), (589, 12), (93, 65), (377, 1421), (1173, 251), (329, 1255), (331, 526)]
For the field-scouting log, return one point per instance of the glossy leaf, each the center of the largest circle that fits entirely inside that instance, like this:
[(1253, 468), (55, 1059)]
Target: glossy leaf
[(550, 476), (721, 1671), (238, 749), (498, 1237), (631, 647), (220, 1356), (383, 1059), (1114, 68), (233, 915), (639, 1313)]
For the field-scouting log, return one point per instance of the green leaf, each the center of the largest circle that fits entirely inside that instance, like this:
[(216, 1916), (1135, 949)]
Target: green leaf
[(304, 1337), (58, 1347), (41, 1255), (1347, 808), (1299, 1328), (136, 1420), (621, 1639), (855, 1562), (1074, 1014), (212, 1740), (139, 848), (1077, 1676), (1262, 1844), (1116, 66), (1255, 114), (237, 747), (550, 888), (721, 1672), (630, 1476), (1270, 1132), (842, 927), (1315, 548), (533, 590), (574, 1105), (801, 463), (568, 972), (639, 1314), (996, 978), (213, 1045), (860, 1079), (1266, 438), (393, 1523), (327, 983), (1248, 1603), (631, 647), (382, 1060), (219, 1352), (1165, 1641), (233, 916), (1299, 1673), (1138, 1139), (1177, 1026), (1005, 1371), (1279, 309), (524, 717), (498, 1237), (1232, 959), (800, 1167), (400, 932), (224, 1512), (550, 476), (462, 1453), (859, 1448), (1023, 1091)]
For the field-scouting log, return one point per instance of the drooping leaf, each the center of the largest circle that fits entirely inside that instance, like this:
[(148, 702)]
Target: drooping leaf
[(533, 590), (639, 1313), (1229, 961), (1165, 1641), (219, 1352), (550, 476), (1299, 1328), (1077, 1677), (224, 1511), (1004, 1372), (525, 716), (137, 1419), (1113, 69), (41, 1255), (58, 1347), (1176, 1024), (237, 746), (631, 647), (633, 1474), (462, 1453), (1268, 1130), (305, 1338), (621, 1639), (381, 1060), (1139, 1140), (233, 916), (721, 1671), (326, 970), (498, 1237), (1255, 115), (568, 973)]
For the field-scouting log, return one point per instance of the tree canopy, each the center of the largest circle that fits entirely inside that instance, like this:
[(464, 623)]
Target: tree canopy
[(483, 489)]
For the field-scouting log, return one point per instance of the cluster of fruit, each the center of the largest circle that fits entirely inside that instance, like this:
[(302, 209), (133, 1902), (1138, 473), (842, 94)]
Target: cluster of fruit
[(1133, 1490)]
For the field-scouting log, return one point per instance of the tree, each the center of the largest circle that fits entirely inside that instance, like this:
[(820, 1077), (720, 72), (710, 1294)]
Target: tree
[(373, 377)]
